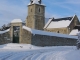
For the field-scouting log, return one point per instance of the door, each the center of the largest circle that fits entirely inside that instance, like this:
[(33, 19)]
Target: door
[(16, 31)]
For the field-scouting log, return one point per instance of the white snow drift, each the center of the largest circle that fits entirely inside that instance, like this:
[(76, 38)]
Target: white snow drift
[(30, 52)]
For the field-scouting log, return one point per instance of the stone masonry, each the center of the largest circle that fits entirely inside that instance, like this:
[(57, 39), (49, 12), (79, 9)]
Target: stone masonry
[(5, 38), (26, 37), (36, 16), (45, 40), (11, 30)]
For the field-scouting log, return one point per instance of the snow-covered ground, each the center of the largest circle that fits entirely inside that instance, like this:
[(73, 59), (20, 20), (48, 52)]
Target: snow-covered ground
[(30, 52)]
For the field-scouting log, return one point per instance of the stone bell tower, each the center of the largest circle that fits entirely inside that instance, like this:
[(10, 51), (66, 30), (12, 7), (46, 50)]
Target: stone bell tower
[(36, 15)]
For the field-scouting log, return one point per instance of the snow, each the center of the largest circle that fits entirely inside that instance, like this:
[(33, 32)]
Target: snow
[(27, 28), (40, 32), (48, 23), (1, 32), (59, 24), (74, 32), (16, 21), (30, 52), (36, 2)]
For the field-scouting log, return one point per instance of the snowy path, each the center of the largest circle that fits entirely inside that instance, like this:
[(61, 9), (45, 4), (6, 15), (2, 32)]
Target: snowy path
[(34, 55), (46, 53)]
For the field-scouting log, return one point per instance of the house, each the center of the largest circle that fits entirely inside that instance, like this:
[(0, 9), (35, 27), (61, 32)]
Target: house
[(62, 25)]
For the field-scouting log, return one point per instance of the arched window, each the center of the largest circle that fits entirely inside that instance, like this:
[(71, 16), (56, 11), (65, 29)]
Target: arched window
[(31, 10), (39, 9)]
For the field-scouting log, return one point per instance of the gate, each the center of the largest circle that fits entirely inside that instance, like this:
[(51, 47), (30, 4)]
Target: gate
[(16, 31)]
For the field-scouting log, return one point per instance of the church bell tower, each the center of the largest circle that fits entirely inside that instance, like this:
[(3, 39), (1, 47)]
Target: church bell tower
[(36, 15)]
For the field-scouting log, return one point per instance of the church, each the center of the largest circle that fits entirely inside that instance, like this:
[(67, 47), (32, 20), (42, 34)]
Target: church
[(56, 32)]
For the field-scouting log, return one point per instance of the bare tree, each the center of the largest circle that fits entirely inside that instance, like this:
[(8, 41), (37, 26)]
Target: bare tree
[(5, 27)]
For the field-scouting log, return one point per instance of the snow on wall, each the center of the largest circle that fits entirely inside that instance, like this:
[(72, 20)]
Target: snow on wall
[(33, 31), (1, 32), (26, 28), (74, 32), (16, 20)]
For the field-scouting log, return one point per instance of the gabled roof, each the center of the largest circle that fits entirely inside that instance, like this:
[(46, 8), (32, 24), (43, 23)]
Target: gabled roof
[(59, 23)]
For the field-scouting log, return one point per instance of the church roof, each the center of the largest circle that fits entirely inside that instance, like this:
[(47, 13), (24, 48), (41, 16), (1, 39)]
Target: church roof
[(40, 32), (59, 22)]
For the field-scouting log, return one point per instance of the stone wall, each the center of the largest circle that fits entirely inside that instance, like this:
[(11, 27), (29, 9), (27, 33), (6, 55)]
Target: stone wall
[(44, 40), (26, 37), (58, 30), (5, 38)]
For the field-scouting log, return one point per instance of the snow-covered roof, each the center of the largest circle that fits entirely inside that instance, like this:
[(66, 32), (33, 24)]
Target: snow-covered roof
[(74, 32), (1, 32), (48, 22), (35, 2), (59, 23), (33, 31), (16, 21)]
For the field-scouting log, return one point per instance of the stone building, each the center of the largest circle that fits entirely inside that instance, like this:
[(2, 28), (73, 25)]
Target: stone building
[(36, 15), (62, 25), (5, 37), (35, 32)]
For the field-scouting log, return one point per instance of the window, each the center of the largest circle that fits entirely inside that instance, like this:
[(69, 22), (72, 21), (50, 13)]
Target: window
[(31, 10), (39, 9), (58, 32)]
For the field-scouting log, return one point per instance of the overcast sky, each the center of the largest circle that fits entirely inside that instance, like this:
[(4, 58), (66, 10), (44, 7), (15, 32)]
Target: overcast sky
[(17, 9)]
